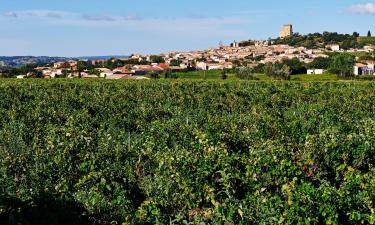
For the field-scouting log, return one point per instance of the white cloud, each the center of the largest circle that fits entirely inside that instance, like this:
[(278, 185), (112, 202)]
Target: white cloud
[(99, 18), (368, 8), (132, 16), (37, 14), (10, 14)]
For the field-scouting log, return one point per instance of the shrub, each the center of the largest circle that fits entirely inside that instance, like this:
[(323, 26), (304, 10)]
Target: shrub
[(183, 152)]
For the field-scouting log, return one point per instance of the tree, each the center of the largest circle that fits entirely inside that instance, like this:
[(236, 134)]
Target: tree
[(355, 34), (224, 74), (245, 73), (169, 74), (279, 71), (268, 69), (295, 66), (154, 75), (320, 63), (342, 65), (156, 59), (369, 34), (259, 68), (175, 62), (284, 72)]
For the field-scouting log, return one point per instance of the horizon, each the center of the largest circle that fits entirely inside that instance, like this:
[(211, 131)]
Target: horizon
[(114, 27)]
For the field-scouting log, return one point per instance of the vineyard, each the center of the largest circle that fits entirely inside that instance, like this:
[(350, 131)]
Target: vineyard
[(187, 152)]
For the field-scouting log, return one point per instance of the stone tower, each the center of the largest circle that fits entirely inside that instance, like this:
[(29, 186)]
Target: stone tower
[(286, 31)]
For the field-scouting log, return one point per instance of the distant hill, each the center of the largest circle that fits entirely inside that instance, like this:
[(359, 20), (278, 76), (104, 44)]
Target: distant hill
[(102, 57), (367, 40), (317, 40), (19, 61)]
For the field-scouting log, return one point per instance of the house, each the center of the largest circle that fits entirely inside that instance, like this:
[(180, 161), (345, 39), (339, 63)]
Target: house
[(89, 76), (145, 69), (363, 69), (334, 47), (121, 70), (96, 61), (315, 71), (60, 65), (116, 76), (106, 74), (176, 69), (125, 76), (201, 66)]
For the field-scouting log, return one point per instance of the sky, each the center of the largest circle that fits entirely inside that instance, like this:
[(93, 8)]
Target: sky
[(123, 27)]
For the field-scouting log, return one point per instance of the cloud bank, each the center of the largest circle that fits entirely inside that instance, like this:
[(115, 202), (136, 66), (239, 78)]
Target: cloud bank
[(368, 8)]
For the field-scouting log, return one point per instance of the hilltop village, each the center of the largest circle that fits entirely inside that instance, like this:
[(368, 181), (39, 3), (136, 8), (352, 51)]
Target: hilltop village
[(237, 54)]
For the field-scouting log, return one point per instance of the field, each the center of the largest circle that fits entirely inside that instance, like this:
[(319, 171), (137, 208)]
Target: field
[(216, 75), (186, 152)]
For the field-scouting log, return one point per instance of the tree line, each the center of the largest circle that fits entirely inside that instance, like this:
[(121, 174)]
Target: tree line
[(340, 64), (318, 40)]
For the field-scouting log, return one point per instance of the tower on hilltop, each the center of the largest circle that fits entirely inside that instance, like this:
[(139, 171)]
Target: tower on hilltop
[(286, 31)]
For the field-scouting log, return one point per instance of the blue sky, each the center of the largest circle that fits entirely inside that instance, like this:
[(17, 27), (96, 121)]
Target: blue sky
[(121, 27)]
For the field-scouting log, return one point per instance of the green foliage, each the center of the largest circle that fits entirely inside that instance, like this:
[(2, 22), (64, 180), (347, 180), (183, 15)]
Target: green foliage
[(259, 68), (366, 40), (156, 59), (168, 74), (184, 152), (246, 43), (224, 75), (154, 75), (317, 40), (320, 63), (175, 62), (245, 73), (343, 65), (278, 71), (295, 66), (12, 72)]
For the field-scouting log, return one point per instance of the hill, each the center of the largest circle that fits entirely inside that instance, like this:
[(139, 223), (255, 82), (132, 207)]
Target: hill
[(317, 40), (19, 61), (366, 40)]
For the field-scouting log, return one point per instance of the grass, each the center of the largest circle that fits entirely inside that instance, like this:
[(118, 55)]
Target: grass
[(208, 75), (316, 77), (216, 75)]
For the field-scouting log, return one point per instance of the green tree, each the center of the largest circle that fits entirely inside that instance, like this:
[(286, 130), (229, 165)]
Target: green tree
[(284, 72), (245, 73), (154, 75), (156, 59), (175, 62), (369, 34), (295, 66), (319, 63), (278, 71), (355, 34), (342, 65), (268, 69), (224, 74)]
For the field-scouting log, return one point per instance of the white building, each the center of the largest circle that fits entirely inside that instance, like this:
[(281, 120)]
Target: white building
[(201, 66), (362, 69), (106, 74), (334, 47), (315, 71)]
